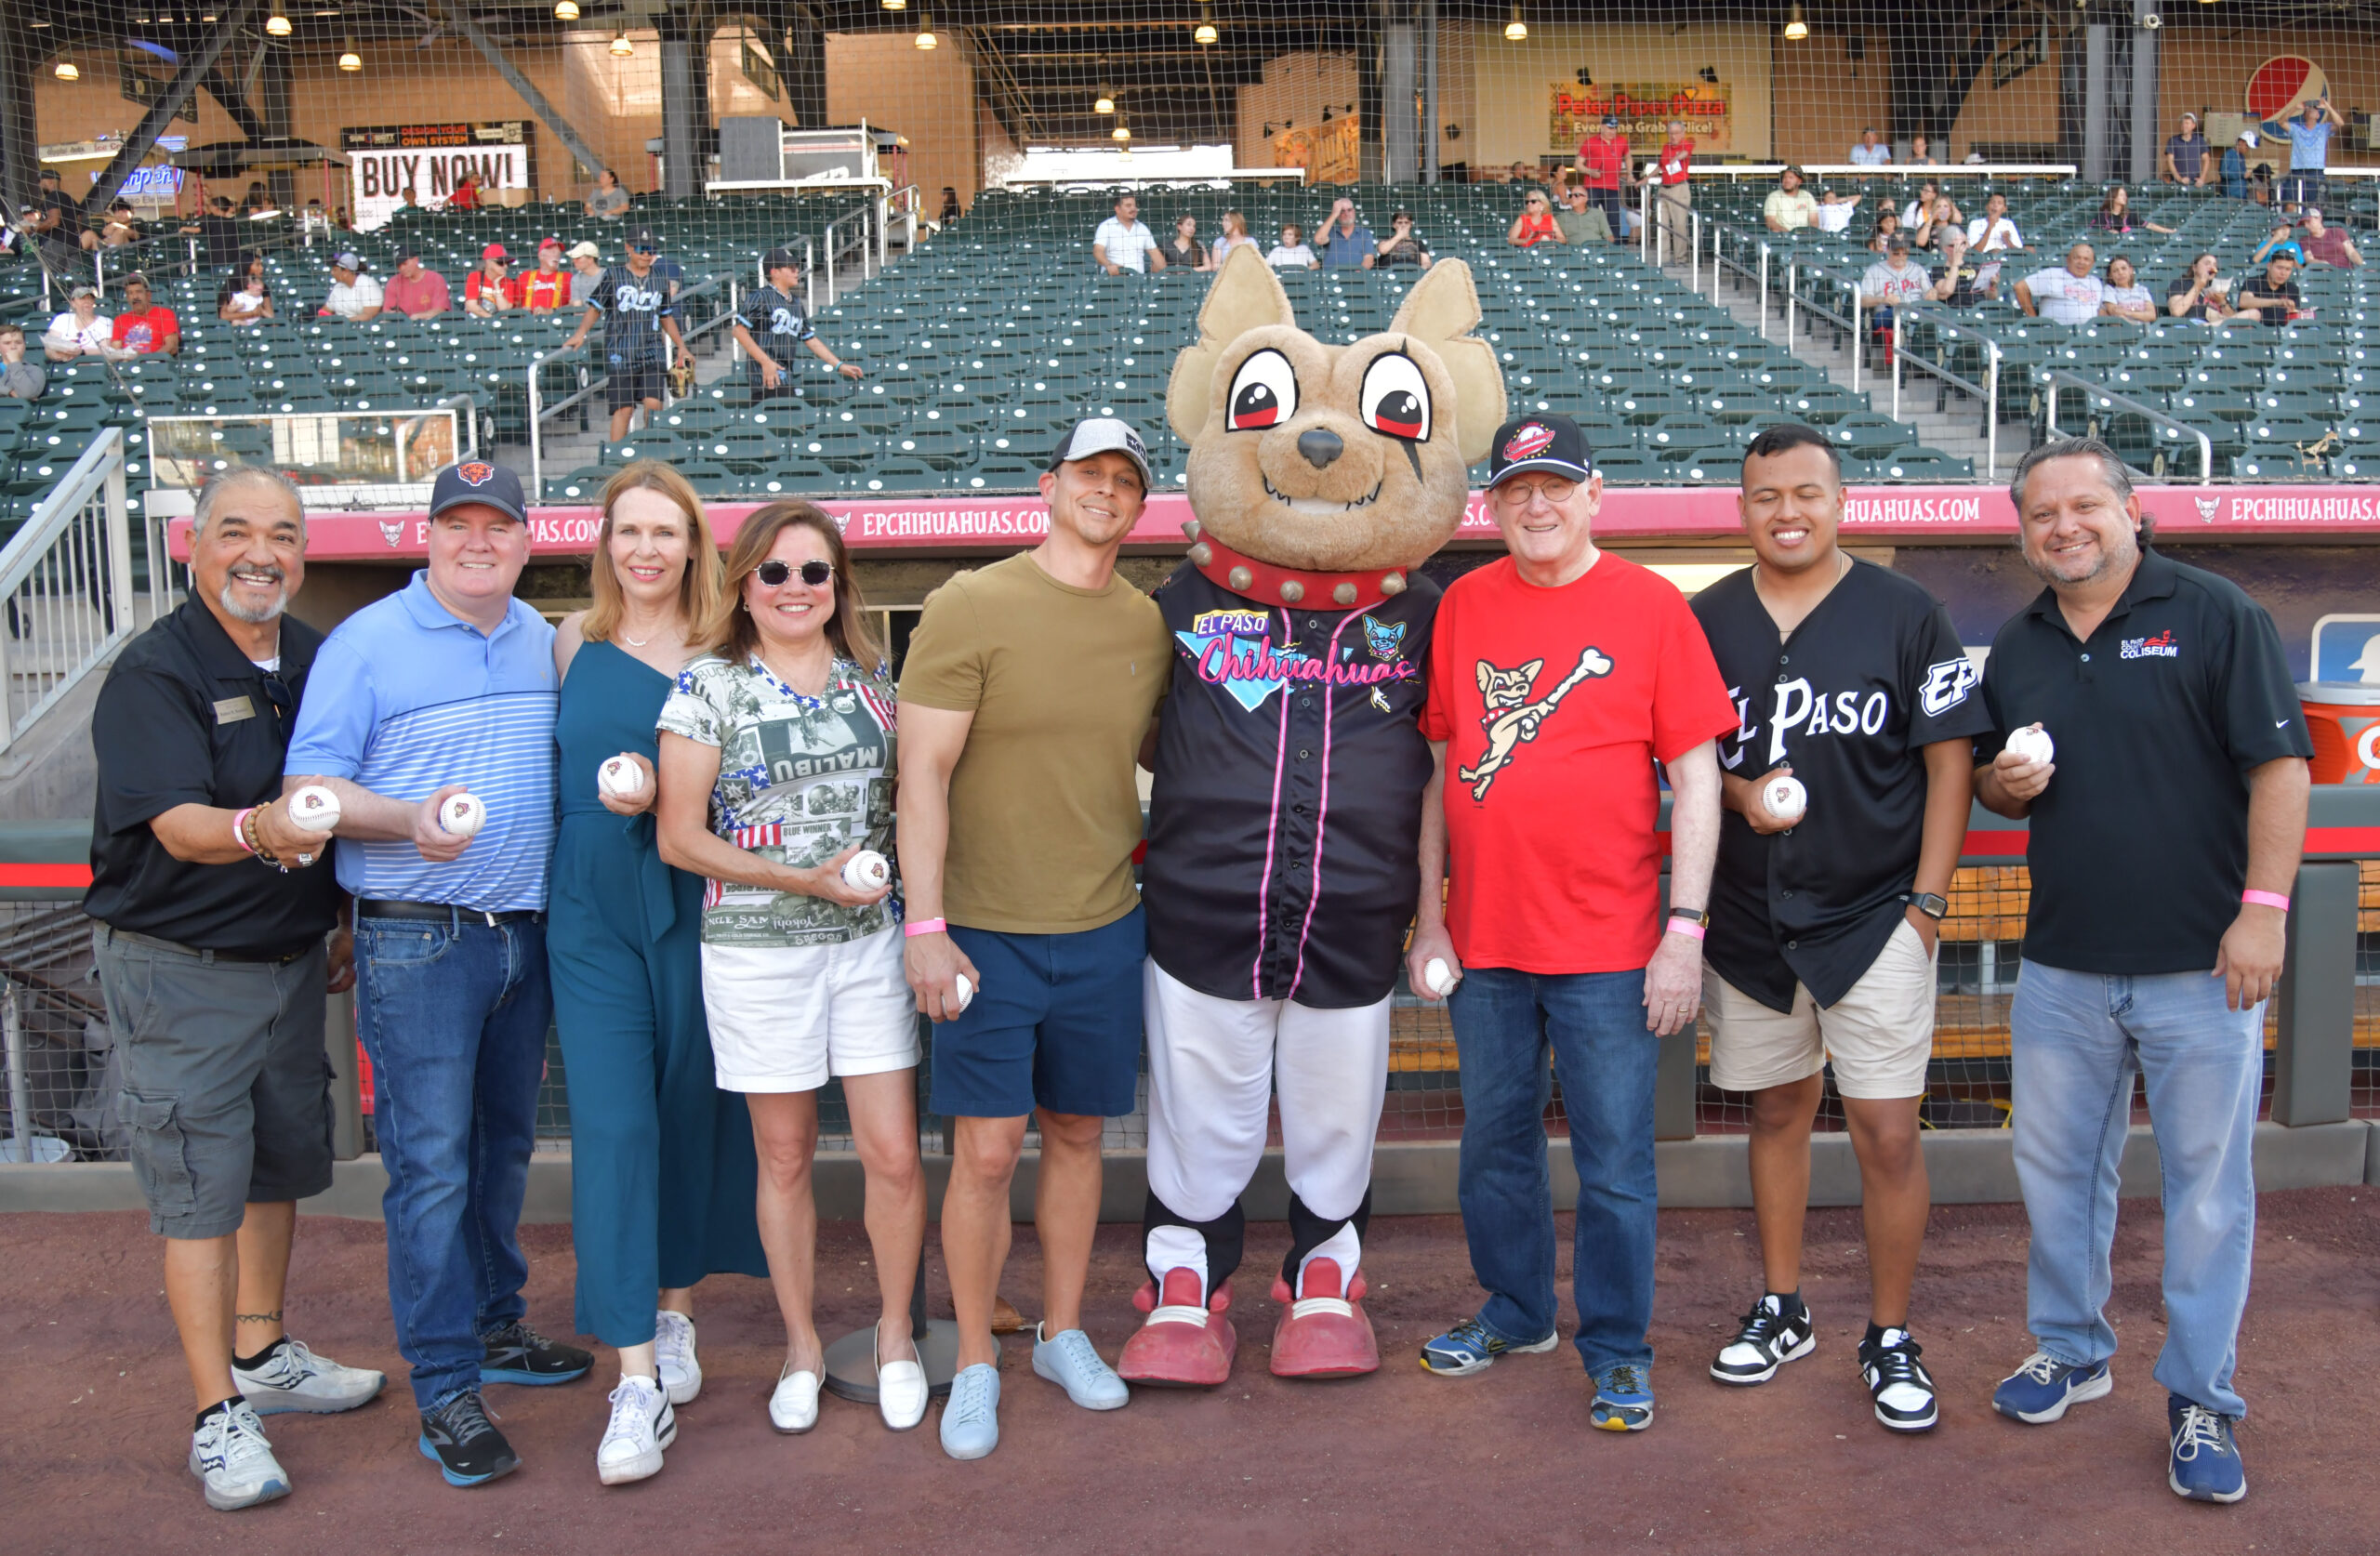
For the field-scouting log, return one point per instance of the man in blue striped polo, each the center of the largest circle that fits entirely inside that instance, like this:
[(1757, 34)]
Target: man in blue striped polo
[(445, 688)]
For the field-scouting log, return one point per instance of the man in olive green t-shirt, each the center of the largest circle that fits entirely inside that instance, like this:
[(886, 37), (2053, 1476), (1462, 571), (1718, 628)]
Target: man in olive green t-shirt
[(1028, 688)]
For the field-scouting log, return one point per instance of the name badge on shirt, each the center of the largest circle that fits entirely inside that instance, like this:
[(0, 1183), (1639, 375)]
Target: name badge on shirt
[(231, 710)]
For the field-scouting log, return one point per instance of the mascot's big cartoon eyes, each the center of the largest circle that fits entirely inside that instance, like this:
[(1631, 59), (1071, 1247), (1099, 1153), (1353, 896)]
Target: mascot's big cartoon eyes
[(1395, 398), (1263, 394)]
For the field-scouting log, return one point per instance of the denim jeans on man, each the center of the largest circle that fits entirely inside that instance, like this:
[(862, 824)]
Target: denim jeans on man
[(454, 1017), (2076, 1041), (1504, 1022)]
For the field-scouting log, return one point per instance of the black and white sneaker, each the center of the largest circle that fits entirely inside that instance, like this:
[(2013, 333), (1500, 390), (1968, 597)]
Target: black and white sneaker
[(1899, 1382), (517, 1353), (1768, 1341), (458, 1438)]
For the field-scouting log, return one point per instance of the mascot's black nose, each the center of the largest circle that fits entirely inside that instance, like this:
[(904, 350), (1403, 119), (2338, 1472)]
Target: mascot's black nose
[(1320, 446)]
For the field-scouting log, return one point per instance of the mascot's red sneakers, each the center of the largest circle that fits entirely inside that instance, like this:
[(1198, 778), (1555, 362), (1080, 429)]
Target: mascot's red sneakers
[(1323, 1334), (1184, 1343)]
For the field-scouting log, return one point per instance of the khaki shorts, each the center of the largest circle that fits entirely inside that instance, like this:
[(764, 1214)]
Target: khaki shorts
[(1880, 1033)]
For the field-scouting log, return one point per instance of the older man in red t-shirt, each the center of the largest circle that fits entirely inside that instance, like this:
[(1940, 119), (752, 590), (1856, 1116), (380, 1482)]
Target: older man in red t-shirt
[(1603, 164), (1559, 676), (1675, 169)]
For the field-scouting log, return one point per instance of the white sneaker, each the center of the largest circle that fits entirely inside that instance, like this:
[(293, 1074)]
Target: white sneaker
[(295, 1379), (794, 1405), (900, 1389), (642, 1424), (673, 1350), (232, 1458)]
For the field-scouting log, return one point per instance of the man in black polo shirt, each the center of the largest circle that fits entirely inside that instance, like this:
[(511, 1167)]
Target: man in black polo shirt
[(773, 322), (216, 942), (2165, 830), (1849, 680)]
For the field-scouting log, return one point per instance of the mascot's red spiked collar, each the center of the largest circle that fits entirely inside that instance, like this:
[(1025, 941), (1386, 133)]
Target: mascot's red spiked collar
[(1275, 584)]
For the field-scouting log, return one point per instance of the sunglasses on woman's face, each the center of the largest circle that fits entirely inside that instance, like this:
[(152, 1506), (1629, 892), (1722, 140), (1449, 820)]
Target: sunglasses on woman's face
[(817, 574)]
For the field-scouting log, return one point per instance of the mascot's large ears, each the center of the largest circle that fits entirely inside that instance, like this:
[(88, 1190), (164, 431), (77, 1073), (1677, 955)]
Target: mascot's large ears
[(1246, 296)]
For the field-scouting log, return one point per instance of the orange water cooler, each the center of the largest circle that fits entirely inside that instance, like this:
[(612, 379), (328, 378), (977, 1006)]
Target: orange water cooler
[(2344, 716)]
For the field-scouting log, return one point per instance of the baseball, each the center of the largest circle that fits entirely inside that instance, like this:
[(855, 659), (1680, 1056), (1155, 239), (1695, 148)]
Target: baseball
[(620, 777), (1786, 799), (1439, 977), (463, 815), (966, 993), (2032, 743), (867, 871), (314, 808)]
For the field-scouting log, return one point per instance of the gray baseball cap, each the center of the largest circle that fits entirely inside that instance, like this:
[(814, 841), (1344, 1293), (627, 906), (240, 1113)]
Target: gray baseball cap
[(1102, 435)]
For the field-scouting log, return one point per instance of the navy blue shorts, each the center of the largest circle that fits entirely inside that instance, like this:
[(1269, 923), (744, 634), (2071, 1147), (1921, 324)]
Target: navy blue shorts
[(1056, 1024)]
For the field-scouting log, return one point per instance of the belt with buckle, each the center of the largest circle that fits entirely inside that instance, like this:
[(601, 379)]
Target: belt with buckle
[(442, 913)]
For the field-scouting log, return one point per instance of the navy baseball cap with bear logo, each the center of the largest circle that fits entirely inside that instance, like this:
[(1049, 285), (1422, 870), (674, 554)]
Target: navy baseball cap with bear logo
[(1539, 442), (477, 481)]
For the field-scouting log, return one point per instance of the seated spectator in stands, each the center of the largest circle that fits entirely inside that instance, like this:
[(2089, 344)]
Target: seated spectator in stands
[(548, 286), (2281, 240), (2066, 297), (19, 379), (2327, 245), (1892, 280), (120, 229), (2199, 294), (1344, 242), (1535, 223), (145, 327), (218, 231), (355, 297), (1788, 207), (1887, 229), (2123, 296), (1871, 151), (1962, 282), (586, 270), (490, 289), (2260, 184), (1186, 252), (466, 193), (408, 201), (1993, 232), (341, 220), (2235, 165), (773, 322), (609, 201), (950, 208), (2185, 160), (1582, 220), (255, 200), (1917, 211), (1836, 207), (1292, 252), (82, 330), (245, 299), (2274, 297), (1920, 152), (1235, 235), (1403, 247), (1124, 242), (2115, 214), (313, 219), (1935, 228), (415, 290)]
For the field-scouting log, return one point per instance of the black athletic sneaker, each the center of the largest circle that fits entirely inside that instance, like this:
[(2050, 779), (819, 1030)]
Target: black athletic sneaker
[(517, 1353), (1768, 1341), (458, 1438), (1899, 1382)]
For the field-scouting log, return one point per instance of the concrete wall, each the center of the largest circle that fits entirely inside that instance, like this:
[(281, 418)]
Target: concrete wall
[(927, 95), (1295, 90)]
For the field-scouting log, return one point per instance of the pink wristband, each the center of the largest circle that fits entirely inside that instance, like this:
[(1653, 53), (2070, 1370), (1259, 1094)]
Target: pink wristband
[(240, 829), (2265, 899), (916, 926), (1688, 927)]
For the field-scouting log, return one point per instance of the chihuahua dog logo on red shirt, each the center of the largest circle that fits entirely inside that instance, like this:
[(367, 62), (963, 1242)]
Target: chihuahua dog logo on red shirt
[(1511, 718)]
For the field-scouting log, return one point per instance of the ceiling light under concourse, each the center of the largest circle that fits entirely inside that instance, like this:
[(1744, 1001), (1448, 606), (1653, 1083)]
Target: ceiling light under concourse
[(621, 48), (1795, 28)]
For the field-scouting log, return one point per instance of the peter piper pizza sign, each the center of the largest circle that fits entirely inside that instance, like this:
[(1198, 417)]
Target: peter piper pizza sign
[(1643, 109)]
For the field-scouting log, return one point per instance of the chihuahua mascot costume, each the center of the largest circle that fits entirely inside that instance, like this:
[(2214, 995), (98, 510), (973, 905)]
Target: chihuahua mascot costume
[(1285, 819)]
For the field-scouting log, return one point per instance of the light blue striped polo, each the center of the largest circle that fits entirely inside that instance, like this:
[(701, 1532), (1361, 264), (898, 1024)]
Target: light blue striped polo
[(405, 698)]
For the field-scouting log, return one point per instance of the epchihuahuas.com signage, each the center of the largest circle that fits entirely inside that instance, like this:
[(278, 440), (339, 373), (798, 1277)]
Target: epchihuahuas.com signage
[(1643, 109)]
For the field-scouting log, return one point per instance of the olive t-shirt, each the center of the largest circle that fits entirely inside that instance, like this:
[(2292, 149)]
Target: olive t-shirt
[(1045, 811)]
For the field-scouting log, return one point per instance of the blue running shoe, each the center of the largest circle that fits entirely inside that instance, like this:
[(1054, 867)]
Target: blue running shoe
[(1468, 1348), (2206, 1465), (1623, 1399), (2038, 1393), (517, 1353), (458, 1438), (970, 1418)]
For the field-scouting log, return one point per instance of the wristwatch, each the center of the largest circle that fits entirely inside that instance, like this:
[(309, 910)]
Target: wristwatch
[(1693, 916), (1933, 904)]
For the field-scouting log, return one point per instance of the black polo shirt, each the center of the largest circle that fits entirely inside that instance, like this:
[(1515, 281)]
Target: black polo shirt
[(1865, 683), (186, 718), (1285, 820), (2140, 845)]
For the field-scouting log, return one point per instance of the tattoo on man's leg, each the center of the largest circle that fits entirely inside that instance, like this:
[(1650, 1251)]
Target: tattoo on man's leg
[(272, 1317)]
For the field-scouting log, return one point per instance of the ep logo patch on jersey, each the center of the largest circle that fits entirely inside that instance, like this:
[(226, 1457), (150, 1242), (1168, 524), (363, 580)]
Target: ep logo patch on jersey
[(1947, 685)]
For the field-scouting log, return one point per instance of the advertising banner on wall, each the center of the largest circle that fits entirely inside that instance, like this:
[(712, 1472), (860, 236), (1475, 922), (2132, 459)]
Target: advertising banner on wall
[(1328, 152), (386, 160), (1643, 109)]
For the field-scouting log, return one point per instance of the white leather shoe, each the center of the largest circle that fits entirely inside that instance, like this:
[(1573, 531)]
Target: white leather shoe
[(900, 1389), (794, 1405), (673, 1349)]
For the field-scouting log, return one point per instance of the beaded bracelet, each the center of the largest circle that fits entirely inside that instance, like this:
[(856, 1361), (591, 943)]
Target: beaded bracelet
[(240, 828)]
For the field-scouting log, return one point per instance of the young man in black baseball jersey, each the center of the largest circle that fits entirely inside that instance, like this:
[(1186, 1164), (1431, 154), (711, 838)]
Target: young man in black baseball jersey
[(638, 309), (1846, 789), (773, 322)]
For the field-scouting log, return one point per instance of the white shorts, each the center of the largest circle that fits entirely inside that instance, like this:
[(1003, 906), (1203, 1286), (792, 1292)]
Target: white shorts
[(1880, 1033), (784, 1018)]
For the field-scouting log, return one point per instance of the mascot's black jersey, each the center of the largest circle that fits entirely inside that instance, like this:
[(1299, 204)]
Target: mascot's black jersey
[(1285, 819)]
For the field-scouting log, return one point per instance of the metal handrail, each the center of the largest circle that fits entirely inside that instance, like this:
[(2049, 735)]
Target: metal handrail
[(539, 411), (1988, 391), (833, 253), (2056, 376)]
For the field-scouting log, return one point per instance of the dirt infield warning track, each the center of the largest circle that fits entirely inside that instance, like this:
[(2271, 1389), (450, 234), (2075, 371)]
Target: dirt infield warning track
[(96, 1403)]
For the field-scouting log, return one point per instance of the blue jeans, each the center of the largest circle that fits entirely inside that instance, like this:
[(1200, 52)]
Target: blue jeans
[(453, 1017), (1594, 1023), (2077, 1040)]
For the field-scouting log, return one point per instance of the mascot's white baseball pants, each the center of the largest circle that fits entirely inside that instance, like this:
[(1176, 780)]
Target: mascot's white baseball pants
[(1213, 1065)]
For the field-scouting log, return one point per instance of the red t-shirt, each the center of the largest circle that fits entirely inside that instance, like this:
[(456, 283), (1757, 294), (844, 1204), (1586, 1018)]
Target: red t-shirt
[(146, 332), (1677, 159), (1537, 229), (1550, 820), (1604, 160), (479, 282)]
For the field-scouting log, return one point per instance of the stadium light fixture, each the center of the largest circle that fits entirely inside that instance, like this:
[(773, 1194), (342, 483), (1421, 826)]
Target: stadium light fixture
[(897, 4), (277, 24), (1107, 103), (1516, 31), (349, 59), (1205, 32), (1119, 133), (565, 10), (926, 40), (1795, 28), (621, 47), (69, 71)]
